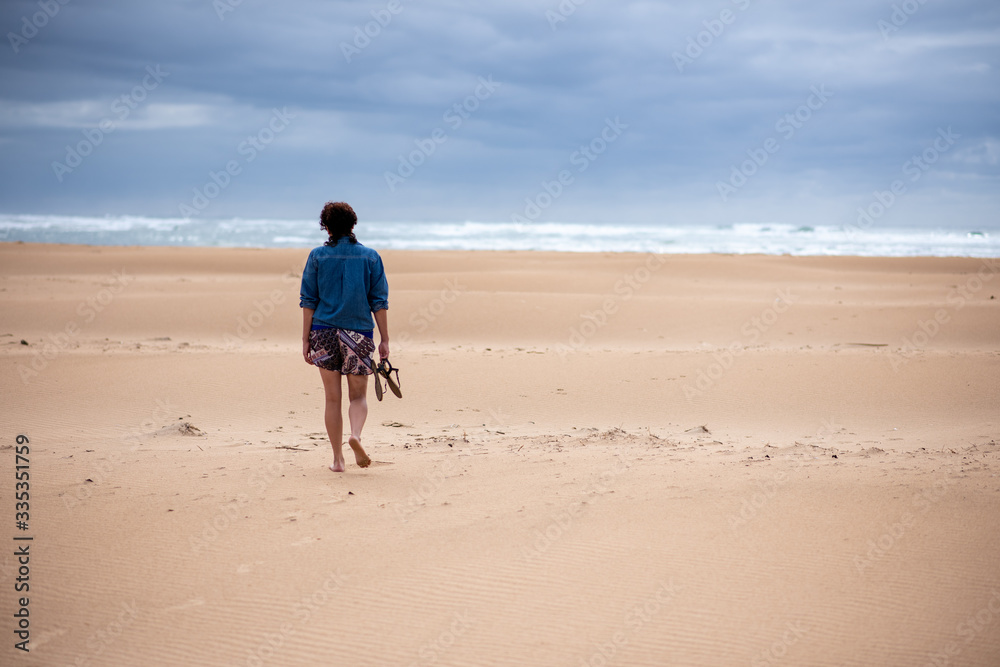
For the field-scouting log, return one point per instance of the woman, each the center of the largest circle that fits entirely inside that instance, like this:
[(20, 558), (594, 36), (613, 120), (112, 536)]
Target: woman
[(343, 284)]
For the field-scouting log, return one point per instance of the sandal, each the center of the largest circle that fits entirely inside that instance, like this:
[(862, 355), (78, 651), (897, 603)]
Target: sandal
[(385, 368), (378, 385)]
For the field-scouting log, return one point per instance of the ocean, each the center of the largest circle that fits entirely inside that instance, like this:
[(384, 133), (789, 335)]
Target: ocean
[(769, 239)]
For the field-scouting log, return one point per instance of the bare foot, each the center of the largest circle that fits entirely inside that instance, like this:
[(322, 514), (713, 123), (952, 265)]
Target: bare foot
[(338, 466), (359, 454)]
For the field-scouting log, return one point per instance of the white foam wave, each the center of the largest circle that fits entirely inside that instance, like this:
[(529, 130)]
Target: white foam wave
[(737, 238)]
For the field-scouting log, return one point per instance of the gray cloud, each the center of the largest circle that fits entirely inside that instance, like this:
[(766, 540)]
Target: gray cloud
[(892, 89)]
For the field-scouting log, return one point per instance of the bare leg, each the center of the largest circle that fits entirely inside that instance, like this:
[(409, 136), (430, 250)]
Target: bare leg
[(357, 412), (332, 416)]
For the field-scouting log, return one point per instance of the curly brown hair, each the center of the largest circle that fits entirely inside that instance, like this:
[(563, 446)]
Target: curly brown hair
[(338, 220)]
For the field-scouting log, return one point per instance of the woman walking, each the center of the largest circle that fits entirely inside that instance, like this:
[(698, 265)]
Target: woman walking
[(343, 285)]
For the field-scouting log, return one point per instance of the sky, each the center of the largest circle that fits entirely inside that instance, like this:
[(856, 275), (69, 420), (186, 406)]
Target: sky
[(718, 112)]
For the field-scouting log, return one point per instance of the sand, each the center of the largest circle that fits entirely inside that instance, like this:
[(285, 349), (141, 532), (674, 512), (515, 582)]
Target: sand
[(599, 459)]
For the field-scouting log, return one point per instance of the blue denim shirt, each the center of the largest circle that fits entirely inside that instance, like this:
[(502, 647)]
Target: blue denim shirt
[(344, 283)]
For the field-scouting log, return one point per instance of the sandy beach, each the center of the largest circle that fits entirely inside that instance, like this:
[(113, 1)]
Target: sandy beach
[(599, 459)]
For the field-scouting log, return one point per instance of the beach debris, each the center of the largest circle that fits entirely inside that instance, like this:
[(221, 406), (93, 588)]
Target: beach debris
[(295, 449), (871, 344), (698, 429), (187, 428), (24, 342)]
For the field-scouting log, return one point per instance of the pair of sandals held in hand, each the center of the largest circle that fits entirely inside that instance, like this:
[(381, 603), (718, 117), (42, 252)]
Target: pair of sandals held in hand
[(384, 369)]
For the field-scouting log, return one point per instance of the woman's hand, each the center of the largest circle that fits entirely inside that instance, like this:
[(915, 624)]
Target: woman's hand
[(307, 319), (382, 321)]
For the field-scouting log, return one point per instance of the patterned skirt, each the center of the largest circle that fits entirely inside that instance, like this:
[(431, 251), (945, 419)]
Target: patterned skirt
[(348, 352)]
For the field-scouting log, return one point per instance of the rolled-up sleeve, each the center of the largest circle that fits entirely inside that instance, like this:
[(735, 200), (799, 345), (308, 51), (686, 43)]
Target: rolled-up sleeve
[(309, 292), (378, 293)]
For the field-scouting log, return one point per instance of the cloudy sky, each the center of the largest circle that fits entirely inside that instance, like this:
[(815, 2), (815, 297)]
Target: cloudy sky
[(582, 110)]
